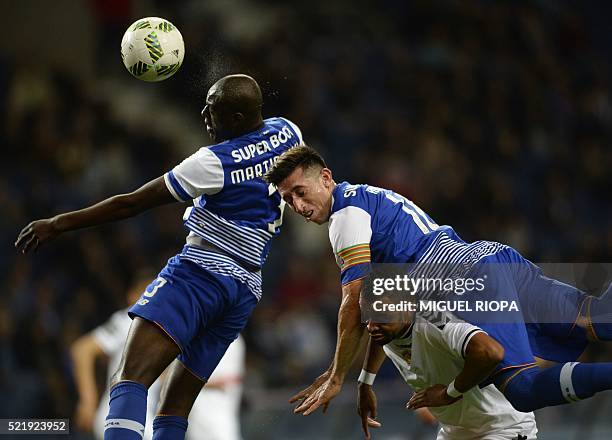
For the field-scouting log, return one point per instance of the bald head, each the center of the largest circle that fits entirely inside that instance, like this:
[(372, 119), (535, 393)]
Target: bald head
[(238, 92), (233, 107)]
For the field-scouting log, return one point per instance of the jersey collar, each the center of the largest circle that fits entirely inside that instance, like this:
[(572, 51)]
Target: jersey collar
[(336, 194), (405, 340)]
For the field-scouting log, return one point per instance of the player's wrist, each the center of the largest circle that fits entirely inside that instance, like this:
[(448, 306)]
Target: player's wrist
[(363, 389), (337, 375), (336, 379), (366, 378), (57, 224), (453, 392)]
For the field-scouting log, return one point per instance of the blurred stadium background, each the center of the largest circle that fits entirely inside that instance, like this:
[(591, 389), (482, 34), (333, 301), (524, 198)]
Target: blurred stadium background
[(496, 117)]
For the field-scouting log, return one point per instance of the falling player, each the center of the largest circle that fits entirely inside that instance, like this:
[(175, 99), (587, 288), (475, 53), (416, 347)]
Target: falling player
[(373, 225), (202, 299), (426, 355)]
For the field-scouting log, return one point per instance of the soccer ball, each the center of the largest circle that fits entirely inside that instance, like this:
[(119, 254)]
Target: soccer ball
[(152, 49)]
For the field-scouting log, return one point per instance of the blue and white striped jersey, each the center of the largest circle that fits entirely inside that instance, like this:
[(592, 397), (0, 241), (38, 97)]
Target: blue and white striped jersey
[(374, 225), (233, 207)]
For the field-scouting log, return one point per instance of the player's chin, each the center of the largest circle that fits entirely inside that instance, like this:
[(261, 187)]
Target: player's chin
[(313, 218), (318, 219), (380, 338)]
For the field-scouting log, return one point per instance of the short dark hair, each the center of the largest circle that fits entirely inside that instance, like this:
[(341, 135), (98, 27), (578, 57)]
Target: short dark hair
[(300, 156)]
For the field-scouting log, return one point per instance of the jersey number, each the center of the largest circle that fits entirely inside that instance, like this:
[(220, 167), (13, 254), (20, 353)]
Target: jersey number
[(423, 222), (420, 218), (159, 282)]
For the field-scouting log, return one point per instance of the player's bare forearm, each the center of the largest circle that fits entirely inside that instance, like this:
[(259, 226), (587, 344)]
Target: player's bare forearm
[(118, 207), (482, 355), (350, 331), (374, 358), (84, 352)]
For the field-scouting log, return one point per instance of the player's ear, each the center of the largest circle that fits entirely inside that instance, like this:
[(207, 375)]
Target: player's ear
[(326, 177), (237, 117)]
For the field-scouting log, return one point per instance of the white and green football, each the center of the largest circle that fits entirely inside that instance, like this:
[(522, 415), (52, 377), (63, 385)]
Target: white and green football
[(152, 49)]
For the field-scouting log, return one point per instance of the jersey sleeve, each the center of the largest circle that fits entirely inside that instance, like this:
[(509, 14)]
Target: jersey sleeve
[(457, 335), (200, 173), (111, 335), (350, 233), (296, 129)]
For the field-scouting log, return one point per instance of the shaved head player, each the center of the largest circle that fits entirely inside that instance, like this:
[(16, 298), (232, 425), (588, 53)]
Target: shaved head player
[(202, 298)]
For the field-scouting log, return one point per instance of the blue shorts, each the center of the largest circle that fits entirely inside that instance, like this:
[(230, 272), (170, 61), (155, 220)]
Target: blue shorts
[(203, 312), (544, 326)]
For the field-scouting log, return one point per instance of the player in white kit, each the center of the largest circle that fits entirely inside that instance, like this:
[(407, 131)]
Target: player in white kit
[(216, 412), (428, 356)]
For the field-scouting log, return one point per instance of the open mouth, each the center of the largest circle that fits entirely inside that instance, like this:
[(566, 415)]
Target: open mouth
[(308, 214)]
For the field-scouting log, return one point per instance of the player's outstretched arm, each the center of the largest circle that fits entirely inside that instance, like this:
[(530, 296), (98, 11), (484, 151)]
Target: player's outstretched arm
[(482, 355), (367, 406), (150, 195), (350, 331)]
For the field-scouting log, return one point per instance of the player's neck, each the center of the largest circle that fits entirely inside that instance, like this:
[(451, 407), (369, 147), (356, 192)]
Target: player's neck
[(250, 127), (240, 130), (331, 199)]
